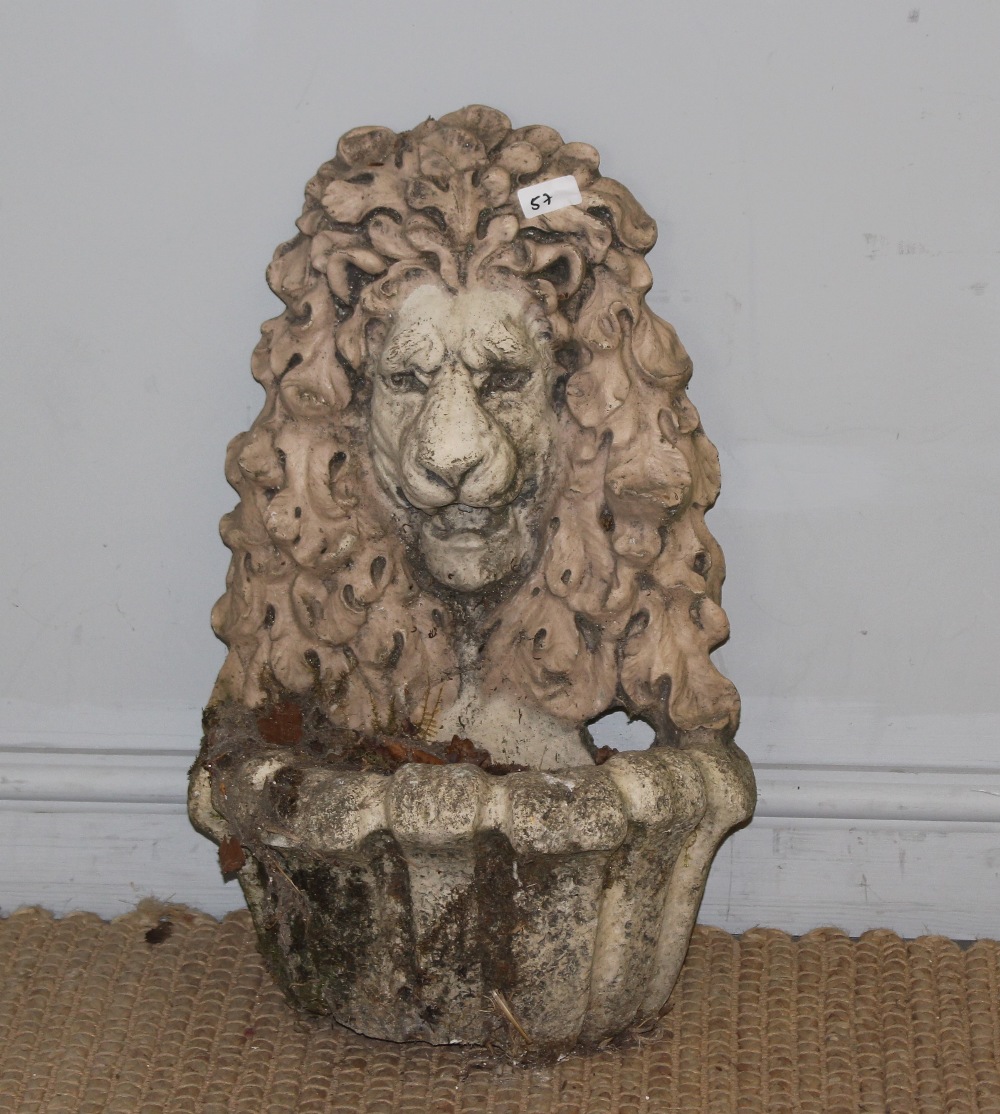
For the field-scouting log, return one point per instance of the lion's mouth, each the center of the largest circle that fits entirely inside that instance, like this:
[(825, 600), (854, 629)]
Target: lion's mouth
[(457, 518)]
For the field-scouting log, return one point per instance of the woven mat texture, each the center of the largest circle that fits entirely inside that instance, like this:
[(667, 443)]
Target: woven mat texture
[(98, 1017)]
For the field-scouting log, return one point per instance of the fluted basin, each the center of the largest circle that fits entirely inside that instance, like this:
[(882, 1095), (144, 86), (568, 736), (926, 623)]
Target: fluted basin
[(444, 904)]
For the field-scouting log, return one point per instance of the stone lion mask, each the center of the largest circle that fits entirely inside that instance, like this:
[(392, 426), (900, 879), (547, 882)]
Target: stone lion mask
[(477, 473), (462, 430)]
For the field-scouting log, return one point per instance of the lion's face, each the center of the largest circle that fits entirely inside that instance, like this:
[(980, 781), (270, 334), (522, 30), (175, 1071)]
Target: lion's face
[(462, 430)]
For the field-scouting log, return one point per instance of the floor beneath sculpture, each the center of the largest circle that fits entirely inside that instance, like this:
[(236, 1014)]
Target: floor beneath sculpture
[(166, 1009)]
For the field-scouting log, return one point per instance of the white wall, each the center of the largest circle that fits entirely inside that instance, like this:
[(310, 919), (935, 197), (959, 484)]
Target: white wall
[(825, 178)]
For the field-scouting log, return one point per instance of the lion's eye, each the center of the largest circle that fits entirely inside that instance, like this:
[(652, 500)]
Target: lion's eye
[(403, 381), (506, 379)]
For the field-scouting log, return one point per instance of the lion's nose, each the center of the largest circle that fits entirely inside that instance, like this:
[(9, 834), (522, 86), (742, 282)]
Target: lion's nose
[(458, 445), (447, 457)]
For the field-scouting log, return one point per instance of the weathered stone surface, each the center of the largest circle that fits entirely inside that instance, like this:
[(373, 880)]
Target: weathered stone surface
[(473, 506)]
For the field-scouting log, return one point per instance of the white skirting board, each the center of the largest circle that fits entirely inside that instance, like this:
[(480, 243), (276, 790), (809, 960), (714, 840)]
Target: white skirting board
[(92, 817)]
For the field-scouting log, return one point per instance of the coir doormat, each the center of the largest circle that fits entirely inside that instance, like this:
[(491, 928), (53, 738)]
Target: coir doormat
[(168, 1010)]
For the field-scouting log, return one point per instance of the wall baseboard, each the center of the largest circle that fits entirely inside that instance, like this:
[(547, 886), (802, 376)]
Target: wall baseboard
[(93, 817)]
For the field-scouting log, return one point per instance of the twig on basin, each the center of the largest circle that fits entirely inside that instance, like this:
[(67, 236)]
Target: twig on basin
[(428, 716), (279, 830), (272, 864), (501, 1006)]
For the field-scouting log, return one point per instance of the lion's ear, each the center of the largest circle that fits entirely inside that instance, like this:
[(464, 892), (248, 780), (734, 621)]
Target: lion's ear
[(376, 330)]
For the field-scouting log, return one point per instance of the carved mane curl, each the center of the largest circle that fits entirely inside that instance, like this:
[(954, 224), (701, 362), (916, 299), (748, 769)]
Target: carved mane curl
[(623, 608)]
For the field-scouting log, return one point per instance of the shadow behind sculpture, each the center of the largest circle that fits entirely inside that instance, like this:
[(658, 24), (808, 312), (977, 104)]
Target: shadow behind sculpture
[(471, 509)]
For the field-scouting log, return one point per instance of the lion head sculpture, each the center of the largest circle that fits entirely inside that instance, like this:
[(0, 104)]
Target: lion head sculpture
[(476, 473)]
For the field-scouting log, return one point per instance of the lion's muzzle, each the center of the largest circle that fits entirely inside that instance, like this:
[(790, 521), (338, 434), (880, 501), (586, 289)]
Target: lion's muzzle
[(454, 451)]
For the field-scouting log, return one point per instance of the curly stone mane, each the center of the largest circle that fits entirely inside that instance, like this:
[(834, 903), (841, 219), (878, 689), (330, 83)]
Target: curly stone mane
[(622, 608)]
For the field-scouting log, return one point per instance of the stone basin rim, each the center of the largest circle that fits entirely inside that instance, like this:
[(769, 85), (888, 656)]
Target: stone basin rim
[(565, 811)]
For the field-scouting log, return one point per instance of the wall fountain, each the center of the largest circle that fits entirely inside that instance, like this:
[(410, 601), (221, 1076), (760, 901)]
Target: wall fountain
[(471, 523)]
